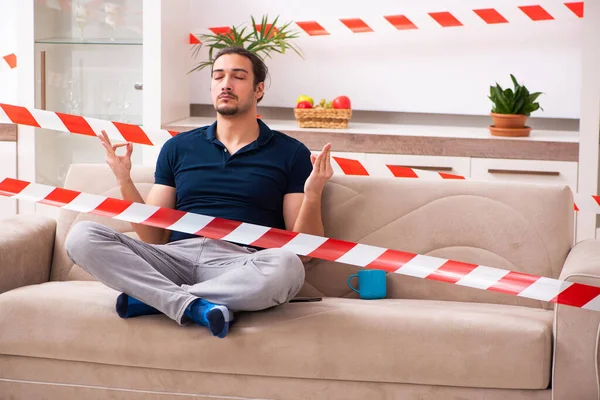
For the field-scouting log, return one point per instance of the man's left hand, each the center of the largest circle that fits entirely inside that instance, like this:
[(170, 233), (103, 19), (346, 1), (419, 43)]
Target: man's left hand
[(321, 173)]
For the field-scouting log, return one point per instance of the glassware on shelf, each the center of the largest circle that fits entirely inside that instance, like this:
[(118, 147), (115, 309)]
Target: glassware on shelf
[(81, 17), (72, 98), (93, 55), (111, 10), (107, 98), (123, 102)]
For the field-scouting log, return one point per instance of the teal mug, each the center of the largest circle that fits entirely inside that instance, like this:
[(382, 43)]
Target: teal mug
[(371, 284)]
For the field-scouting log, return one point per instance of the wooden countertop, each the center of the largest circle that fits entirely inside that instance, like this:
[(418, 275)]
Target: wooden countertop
[(422, 140), (8, 133)]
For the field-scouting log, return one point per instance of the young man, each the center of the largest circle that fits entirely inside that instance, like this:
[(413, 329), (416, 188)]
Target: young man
[(237, 169)]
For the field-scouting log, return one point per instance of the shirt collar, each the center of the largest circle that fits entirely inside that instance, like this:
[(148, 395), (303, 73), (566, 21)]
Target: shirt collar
[(265, 133)]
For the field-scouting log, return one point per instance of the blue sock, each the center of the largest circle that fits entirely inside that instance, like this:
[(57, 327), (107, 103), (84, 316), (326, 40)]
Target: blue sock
[(129, 307), (213, 316)]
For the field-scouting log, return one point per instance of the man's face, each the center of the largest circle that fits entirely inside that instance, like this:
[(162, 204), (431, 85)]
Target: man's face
[(232, 85)]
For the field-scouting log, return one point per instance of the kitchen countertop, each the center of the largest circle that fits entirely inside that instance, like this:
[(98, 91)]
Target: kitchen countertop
[(432, 140), (8, 133)]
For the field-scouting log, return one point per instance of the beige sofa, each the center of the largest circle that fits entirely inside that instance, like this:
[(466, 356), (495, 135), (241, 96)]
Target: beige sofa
[(60, 337)]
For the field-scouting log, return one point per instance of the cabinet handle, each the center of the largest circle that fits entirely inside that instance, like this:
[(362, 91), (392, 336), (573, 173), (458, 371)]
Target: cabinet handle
[(138, 86), (513, 172), (426, 167)]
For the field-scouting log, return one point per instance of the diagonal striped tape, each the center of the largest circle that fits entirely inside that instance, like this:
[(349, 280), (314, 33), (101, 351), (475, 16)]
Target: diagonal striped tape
[(136, 134), (501, 14), (82, 125), (10, 60), (364, 256)]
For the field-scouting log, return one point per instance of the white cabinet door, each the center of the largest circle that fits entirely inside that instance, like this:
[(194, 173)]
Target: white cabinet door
[(528, 171), (8, 169), (450, 165)]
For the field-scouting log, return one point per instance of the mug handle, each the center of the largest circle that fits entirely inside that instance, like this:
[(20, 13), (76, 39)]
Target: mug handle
[(350, 284)]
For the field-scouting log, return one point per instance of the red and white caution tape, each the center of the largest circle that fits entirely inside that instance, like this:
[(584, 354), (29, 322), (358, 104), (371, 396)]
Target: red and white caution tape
[(135, 134), (10, 60), (348, 166), (82, 125), (361, 255), (444, 19)]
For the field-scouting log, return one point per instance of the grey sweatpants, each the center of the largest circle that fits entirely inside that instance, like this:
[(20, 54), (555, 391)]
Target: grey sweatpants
[(169, 277)]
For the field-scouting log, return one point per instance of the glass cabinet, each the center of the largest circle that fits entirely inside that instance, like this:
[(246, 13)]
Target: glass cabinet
[(88, 57)]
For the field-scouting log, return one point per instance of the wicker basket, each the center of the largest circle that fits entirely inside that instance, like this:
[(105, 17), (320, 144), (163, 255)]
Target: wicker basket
[(322, 117)]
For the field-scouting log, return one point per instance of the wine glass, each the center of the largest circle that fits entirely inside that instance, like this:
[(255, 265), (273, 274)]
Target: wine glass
[(122, 102), (81, 17), (107, 97), (111, 20), (72, 99), (111, 10)]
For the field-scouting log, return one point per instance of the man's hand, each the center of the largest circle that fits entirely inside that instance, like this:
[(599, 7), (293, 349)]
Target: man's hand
[(120, 165), (160, 195), (321, 173)]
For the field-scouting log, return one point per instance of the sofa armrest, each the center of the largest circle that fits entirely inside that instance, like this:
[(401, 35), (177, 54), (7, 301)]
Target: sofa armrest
[(26, 247), (576, 330)]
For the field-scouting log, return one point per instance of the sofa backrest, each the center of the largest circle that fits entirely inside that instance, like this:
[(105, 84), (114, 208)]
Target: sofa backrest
[(525, 228)]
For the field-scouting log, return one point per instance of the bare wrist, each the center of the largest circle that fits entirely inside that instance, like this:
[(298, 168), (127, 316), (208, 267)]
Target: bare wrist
[(312, 197), (125, 182)]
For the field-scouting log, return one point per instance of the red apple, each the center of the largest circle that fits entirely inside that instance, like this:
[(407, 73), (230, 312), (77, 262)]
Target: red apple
[(304, 104), (342, 102)]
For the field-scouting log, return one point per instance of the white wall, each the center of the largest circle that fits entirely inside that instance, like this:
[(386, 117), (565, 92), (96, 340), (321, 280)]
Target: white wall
[(430, 70), (8, 44)]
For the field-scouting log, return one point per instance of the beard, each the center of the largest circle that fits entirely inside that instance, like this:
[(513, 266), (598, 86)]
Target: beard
[(227, 110), (232, 109)]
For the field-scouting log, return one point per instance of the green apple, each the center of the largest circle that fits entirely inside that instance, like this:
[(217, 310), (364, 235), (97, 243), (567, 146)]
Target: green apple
[(305, 98)]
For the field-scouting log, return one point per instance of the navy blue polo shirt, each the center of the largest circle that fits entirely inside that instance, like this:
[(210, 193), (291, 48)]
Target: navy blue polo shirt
[(247, 186)]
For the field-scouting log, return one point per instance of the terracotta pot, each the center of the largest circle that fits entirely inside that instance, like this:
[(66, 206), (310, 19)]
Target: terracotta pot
[(503, 121), (510, 132), (509, 125)]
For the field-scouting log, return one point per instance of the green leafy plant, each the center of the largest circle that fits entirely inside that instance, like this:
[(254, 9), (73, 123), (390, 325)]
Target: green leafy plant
[(262, 39), (519, 101)]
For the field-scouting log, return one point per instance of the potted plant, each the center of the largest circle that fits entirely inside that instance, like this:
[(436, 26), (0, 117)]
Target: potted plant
[(511, 109), (262, 39)]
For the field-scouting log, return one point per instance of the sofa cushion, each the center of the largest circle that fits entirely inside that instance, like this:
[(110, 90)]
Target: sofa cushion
[(401, 341)]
